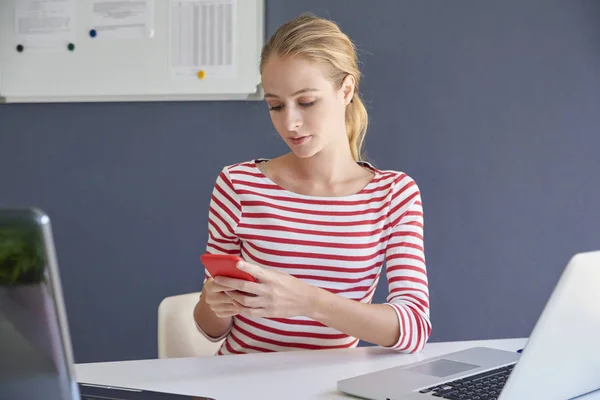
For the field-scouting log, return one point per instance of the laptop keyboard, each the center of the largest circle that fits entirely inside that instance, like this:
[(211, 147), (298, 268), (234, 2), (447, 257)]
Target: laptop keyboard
[(484, 386)]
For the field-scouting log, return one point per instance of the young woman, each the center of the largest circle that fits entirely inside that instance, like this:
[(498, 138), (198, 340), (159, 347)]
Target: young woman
[(316, 225)]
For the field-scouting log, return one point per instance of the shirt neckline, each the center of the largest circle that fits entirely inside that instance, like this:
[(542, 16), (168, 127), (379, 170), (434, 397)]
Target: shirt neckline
[(306, 196)]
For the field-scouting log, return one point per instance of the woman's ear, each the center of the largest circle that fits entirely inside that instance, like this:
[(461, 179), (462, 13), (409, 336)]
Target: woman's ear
[(347, 89)]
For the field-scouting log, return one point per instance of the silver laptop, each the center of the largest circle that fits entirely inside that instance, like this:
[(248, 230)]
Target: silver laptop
[(561, 359), (35, 347)]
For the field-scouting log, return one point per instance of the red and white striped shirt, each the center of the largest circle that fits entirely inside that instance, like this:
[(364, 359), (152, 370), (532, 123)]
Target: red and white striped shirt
[(336, 243)]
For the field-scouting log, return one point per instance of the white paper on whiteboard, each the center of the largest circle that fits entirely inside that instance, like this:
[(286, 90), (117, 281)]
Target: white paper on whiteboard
[(202, 38), (123, 19), (45, 23)]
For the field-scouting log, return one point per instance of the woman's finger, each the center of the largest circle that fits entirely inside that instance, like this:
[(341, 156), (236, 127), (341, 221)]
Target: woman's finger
[(220, 298), (217, 288), (238, 284), (257, 312), (226, 313), (244, 299), (229, 310)]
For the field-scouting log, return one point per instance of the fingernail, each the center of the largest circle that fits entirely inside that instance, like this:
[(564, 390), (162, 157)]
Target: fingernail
[(240, 265)]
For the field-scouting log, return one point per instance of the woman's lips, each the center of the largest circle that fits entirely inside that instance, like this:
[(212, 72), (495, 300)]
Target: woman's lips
[(300, 140)]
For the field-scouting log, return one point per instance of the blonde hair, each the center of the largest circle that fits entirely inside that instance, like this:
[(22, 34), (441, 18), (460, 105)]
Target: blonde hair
[(322, 41)]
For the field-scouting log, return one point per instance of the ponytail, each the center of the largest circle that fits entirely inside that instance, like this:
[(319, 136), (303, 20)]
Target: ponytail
[(357, 120)]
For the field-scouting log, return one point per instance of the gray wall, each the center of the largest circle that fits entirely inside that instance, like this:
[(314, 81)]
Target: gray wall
[(493, 107)]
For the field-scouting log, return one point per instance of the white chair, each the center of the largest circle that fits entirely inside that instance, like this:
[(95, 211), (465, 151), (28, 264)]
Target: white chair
[(178, 335)]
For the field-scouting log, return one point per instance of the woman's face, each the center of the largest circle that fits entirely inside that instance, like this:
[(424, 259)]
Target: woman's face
[(306, 109)]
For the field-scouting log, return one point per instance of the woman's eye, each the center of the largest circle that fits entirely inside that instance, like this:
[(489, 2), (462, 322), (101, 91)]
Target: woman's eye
[(301, 104)]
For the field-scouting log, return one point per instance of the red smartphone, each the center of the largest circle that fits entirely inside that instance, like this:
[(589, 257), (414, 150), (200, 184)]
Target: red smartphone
[(225, 265)]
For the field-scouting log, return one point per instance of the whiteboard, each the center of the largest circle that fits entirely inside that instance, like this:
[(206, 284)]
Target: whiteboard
[(130, 50)]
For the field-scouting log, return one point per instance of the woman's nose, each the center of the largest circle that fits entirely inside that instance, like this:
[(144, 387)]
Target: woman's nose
[(293, 119)]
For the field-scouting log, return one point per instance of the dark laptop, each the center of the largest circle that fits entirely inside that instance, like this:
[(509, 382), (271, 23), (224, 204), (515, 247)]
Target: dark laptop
[(35, 347)]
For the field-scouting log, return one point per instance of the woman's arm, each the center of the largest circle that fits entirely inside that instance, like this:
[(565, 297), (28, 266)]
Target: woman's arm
[(223, 218), (209, 323), (406, 270), (279, 295), (373, 323)]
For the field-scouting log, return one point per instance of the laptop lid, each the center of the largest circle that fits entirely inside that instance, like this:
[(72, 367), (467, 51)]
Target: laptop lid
[(562, 357), (36, 359)]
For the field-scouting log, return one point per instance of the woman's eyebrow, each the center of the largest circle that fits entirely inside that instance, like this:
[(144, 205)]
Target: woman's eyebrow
[(293, 94)]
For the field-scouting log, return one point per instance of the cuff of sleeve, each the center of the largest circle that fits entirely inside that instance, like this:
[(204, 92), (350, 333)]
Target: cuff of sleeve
[(210, 338), (401, 334)]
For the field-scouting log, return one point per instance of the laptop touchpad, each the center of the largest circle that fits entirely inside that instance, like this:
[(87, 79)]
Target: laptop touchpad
[(442, 368)]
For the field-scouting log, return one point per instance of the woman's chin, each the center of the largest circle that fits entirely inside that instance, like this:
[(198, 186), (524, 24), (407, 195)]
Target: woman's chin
[(303, 153)]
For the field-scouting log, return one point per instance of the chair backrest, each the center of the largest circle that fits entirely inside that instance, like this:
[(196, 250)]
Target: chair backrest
[(178, 335)]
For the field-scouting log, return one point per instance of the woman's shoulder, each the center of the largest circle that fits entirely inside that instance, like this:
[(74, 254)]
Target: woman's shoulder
[(396, 180), (231, 176), (247, 166)]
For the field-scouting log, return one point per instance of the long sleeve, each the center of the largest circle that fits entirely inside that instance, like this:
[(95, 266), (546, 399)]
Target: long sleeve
[(406, 270), (223, 218)]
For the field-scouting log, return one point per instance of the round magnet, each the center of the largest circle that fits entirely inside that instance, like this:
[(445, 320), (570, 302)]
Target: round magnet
[(93, 33), (71, 47), (201, 74), (20, 48)]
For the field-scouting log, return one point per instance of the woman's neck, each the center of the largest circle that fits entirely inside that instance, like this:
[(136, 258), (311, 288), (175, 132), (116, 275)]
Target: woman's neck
[(328, 167)]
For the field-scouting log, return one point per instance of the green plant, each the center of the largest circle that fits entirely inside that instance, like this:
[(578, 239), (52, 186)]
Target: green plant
[(21, 256)]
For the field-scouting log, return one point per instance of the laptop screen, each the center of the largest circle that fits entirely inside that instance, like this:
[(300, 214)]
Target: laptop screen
[(32, 361)]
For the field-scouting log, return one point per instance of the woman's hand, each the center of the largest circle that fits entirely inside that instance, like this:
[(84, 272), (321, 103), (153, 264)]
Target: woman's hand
[(277, 295), (219, 302)]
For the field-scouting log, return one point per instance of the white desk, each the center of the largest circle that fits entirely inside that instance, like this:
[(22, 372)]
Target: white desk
[(287, 375)]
